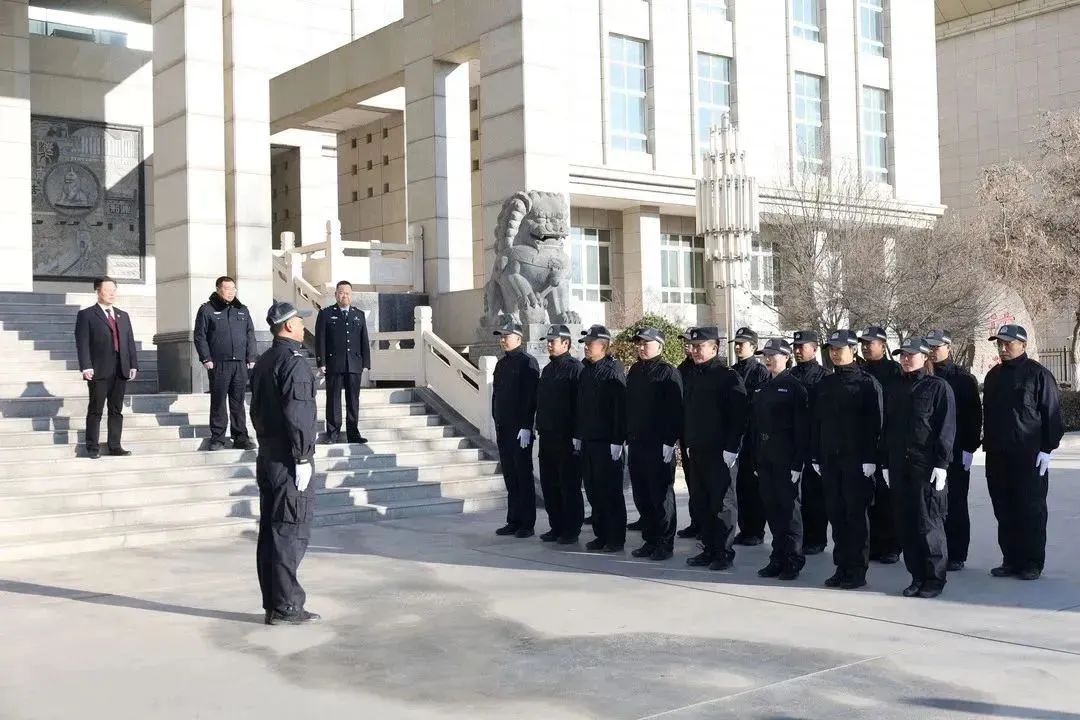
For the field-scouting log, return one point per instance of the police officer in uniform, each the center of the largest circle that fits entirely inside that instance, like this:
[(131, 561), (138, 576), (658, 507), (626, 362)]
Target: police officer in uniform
[(513, 408), (920, 424), (225, 342), (556, 409), (283, 413), (751, 508), (1022, 413), (654, 413), (968, 438), (600, 425), (779, 437), (715, 417), (343, 354), (692, 530), (845, 438), (884, 542), (814, 516)]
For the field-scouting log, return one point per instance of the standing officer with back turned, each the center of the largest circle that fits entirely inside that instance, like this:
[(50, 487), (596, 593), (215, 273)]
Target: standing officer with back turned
[(283, 413)]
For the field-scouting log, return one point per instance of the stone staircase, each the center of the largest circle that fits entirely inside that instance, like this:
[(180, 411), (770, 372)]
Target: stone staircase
[(55, 501)]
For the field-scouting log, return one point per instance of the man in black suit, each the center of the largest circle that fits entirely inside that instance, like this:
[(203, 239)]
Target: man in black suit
[(342, 353), (108, 359)]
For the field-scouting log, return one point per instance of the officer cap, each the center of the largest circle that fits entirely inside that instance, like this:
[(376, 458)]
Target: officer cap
[(1011, 332), (745, 334), (279, 312), (935, 338), (775, 346), (703, 334), (649, 333), (685, 337), (874, 332), (557, 332), (595, 332), (913, 345), (842, 338), (805, 336), (509, 328)]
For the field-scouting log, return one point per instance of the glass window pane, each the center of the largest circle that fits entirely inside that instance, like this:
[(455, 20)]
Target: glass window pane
[(604, 255), (592, 271)]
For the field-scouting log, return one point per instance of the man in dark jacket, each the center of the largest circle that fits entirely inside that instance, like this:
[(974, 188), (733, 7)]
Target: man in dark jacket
[(225, 341), (343, 354), (1022, 413), (715, 414), (694, 507), (884, 541), (751, 508), (920, 423), (600, 425), (654, 414), (814, 516), (556, 408), (513, 408), (968, 438), (845, 438)]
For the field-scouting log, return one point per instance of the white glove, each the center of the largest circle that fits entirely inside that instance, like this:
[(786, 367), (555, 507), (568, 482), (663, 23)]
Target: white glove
[(251, 366), (524, 437), (817, 468), (868, 469), (669, 452), (304, 471), (938, 478), (577, 445), (730, 458), (132, 373), (967, 458), (885, 474), (1043, 463), (616, 452), (795, 475)]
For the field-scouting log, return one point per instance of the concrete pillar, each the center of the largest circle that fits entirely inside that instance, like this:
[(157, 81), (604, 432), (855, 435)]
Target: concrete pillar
[(642, 283), (16, 247), (189, 178), (318, 186)]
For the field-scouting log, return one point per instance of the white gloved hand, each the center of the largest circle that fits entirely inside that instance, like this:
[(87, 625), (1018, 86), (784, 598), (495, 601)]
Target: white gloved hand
[(132, 373), (885, 474), (868, 469), (967, 458), (938, 478), (577, 445), (524, 437), (304, 471), (1043, 463), (669, 452), (730, 458), (616, 452), (795, 476), (817, 468)]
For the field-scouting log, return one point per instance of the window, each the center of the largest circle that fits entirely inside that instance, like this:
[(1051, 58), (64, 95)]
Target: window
[(809, 123), (806, 19), (872, 27), (353, 141), (682, 269), (710, 9), (626, 86), (590, 264), (713, 93), (875, 133), (764, 272)]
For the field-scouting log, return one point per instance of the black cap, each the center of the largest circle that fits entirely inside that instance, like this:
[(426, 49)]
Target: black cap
[(509, 328), (775, 346), (805, 336), (649, 333), (279, 312), (703, 334), (874, 332), (745, 334), (842, 338), (557, 332), (935, 338), (913, 345), (1011, 332), (595, 332), (685, 337)]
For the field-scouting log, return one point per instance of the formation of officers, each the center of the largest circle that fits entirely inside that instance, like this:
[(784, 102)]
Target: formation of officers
[(880, 450)]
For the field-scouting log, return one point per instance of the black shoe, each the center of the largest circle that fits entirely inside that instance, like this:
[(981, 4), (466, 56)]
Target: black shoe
[(725, 562), (1004, 570), (587, 521), (119, 452), (955, 565), (690, 531), (550, 536), (835, 579), (216, 445), (813, 549), (244, 445), (661, 553), (506, 530), (773, 569), (330, 439), (595, 545), (913, 589), (1030, 574), (644, 551), (568, 540), (788, 573), (93, 454), (853, 582), (702, 559), (636, 526), (748, 540), (611, 548), (357, 439), (889, 558), (930, 591), (524, 533), (290, 618)]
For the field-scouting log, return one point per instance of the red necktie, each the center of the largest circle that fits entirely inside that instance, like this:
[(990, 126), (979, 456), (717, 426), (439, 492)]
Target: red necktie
[(115, 331)]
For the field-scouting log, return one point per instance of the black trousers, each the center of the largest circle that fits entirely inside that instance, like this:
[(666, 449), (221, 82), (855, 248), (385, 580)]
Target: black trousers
[(847, 498), (105, 391), (815, 518), (920, 518), (285, 516), (958, 519), (653, 483), (1018, 494), (350, 382), (560, 482), (603, 478), (719, 496), (751, 507), (228, 382), (517, 470), (783, 511), (883, 535), (695, 504)]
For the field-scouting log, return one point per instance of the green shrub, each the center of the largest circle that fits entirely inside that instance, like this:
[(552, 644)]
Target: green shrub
[(625, 351), (1070, 409)]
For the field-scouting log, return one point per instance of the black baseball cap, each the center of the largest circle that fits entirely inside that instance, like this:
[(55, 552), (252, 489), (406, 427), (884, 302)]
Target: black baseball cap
[(935, 338), (775, 346), (745, 334), (557, 332), (595, 332), (805, 336), (1011, 332), (279, 312), (874, 332), (913, 345), (509, 328), (703, 334), (842, 338), (649, 333)]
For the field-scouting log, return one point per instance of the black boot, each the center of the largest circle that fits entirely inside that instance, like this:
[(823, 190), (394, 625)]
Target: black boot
[(702, 559), (913, 589), (644, 551), (771, 570), (835, 579), (690, 531)]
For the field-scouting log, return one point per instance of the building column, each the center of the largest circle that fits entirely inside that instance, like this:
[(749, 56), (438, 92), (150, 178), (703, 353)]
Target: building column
[(318, 186), (16, 246), (642, 283), (189, 178)]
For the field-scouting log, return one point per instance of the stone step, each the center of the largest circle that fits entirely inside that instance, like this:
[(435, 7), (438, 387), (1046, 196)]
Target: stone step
[(60, 334), (494, 500), (66, 353), (80, 299), (412, 508), (9, 310), (57, 389), (45, 366), (66, 423), (11, 342)]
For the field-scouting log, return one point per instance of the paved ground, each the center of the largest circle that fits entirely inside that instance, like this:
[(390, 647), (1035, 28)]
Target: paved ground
[(437, 618)]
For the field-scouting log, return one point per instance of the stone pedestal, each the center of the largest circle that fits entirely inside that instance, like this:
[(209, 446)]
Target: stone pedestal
[(535, 343)]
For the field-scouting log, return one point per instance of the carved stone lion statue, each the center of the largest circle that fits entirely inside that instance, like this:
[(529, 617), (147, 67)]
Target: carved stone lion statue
[(529, 278)]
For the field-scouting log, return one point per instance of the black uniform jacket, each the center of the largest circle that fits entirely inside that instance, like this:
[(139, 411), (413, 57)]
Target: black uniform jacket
[(513, 395), (752, 373), (654, 402), (224, 331), (847, 416), (716, 407), (601, 402), (969, 415), (283, 402), (341, 341), (885, 371), (920, 422), (556, 397), (779, 427), (1022, 408)]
